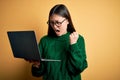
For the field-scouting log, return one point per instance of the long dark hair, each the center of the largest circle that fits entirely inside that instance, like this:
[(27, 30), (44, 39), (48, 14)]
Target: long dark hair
[(61, 10)]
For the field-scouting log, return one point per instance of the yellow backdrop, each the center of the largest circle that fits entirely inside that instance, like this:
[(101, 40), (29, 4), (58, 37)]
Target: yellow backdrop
[(97, 20)]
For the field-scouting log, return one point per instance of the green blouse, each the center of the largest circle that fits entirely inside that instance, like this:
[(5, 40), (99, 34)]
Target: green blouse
[(73, 58)]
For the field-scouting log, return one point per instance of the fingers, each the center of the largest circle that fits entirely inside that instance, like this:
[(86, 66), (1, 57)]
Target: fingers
[(36, 64), (73, 37), (74, 34), (33, 61)]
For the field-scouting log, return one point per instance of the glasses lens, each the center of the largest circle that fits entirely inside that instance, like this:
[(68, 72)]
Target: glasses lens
[(57, 23)]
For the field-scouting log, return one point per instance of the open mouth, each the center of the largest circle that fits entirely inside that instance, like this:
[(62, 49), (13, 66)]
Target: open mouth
[(57, 31)]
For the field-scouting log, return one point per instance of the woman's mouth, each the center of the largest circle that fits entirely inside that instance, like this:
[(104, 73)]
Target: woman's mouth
[(57, 31)]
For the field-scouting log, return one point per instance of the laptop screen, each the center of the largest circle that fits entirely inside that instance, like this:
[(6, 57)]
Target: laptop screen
[(24, 44)]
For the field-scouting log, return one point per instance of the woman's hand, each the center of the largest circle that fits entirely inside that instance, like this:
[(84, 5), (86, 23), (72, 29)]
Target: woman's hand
[(73, 37), (35, 63)]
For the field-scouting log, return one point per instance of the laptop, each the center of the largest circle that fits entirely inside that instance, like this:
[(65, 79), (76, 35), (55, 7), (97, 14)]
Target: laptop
[(24, 45)]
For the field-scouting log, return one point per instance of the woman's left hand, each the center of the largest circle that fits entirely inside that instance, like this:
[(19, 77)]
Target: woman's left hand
[(73, 37)]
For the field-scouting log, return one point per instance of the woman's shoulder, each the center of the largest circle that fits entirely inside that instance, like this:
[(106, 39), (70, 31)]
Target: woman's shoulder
[(81, 37)]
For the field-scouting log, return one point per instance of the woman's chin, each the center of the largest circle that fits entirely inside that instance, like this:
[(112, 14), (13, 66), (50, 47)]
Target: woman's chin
[(58, 34)]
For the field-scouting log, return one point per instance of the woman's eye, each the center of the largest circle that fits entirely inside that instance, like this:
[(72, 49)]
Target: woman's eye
[(57, 22)]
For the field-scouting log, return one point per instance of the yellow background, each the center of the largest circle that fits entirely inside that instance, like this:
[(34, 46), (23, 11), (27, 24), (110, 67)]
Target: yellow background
[(97, 20)]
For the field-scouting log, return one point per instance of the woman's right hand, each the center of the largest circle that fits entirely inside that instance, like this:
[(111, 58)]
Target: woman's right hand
[(35, 63)]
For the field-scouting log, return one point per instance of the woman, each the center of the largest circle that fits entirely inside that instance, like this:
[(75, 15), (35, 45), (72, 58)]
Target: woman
[(62, 43)]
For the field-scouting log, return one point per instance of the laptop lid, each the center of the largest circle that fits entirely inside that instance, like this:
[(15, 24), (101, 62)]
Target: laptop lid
[(24, 45)]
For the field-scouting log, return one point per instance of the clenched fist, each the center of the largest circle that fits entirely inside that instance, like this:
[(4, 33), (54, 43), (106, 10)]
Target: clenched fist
[(74, 37)]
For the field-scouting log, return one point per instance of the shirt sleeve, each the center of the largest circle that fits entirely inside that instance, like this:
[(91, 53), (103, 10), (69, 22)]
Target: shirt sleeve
[(41, 70), (37, 72), (77, 57)]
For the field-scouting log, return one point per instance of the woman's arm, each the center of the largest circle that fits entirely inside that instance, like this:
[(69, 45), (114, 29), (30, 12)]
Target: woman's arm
[(38, 68), (77, 58)]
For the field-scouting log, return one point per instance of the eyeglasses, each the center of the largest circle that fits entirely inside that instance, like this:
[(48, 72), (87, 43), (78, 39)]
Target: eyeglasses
[(57, 23)]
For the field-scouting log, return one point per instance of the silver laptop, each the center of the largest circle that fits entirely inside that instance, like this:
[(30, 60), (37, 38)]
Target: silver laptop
[(24, 45)]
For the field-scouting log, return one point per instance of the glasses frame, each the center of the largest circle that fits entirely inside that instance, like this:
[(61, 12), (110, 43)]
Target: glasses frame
[(57, 23)]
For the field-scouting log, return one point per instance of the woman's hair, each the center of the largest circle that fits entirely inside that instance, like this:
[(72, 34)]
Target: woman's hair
[(61, 10)]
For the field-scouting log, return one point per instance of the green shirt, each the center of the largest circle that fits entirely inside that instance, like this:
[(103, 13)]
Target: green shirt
[(73, 58)]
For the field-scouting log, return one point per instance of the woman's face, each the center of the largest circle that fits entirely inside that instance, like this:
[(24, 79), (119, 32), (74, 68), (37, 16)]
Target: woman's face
[(59, 24)]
